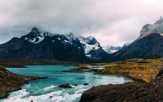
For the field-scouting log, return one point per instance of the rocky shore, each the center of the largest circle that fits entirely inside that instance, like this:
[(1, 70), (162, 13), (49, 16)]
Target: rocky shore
[(129, 92), (11, 82), (149, 90)]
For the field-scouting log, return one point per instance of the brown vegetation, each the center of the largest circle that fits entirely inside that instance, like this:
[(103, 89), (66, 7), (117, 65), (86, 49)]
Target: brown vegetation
[(139, 69), (148, 70)]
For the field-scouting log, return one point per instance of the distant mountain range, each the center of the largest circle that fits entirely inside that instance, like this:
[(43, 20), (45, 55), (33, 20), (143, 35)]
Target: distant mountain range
[(38, 45), (46, 45)]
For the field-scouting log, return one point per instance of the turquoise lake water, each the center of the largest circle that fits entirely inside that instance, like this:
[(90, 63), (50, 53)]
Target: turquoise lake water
[(47, 90)]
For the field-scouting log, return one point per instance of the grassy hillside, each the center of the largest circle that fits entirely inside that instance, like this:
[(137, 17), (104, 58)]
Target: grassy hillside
[(149, 70), (138, 69)]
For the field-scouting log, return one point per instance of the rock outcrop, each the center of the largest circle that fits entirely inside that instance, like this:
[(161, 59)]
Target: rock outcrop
[(10, 82)]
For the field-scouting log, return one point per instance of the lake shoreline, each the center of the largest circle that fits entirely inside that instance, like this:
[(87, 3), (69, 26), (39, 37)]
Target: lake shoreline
[(149, 89), (12, 82), (77, 83), (21, 63), (130, 68), (130, 92)]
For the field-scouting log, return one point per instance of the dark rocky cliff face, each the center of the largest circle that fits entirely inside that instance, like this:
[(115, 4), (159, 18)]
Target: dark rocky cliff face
[(45, 45)]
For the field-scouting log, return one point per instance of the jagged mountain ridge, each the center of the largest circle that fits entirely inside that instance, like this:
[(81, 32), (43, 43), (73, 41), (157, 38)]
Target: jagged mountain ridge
[(68, 47), (45, 45)]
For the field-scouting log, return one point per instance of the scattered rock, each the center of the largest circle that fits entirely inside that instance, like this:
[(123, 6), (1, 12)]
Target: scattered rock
[(50, 96), (67, 85), (85, 84), (75, 84)]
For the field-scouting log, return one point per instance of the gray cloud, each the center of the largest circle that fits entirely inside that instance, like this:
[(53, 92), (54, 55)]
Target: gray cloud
[(112, 22)]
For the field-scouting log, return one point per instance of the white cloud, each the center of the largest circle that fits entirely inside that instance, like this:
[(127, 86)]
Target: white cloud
[(112, 22)]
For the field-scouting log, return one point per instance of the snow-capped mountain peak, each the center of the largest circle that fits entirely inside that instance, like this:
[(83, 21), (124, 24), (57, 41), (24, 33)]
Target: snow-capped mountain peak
[(91, 40), (148, 29), (89, 45), (34, 36), (35, 31)]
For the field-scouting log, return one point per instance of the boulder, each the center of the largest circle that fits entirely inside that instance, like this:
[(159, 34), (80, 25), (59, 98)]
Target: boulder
[(66, 85)]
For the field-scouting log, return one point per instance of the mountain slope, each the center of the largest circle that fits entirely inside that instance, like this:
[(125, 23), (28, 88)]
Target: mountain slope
[(112, 49), (45, 45), (150, 46)]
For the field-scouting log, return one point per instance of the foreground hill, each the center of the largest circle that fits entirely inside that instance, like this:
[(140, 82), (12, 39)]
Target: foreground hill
[(130, 92), (136, 91)]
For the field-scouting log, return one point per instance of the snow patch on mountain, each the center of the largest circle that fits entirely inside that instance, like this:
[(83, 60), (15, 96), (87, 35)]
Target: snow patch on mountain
[(34, 36), (112, 49), (35, 40), (89, 44)]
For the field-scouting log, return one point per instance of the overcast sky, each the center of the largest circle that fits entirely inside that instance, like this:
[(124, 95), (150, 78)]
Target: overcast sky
[(112, 22)]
